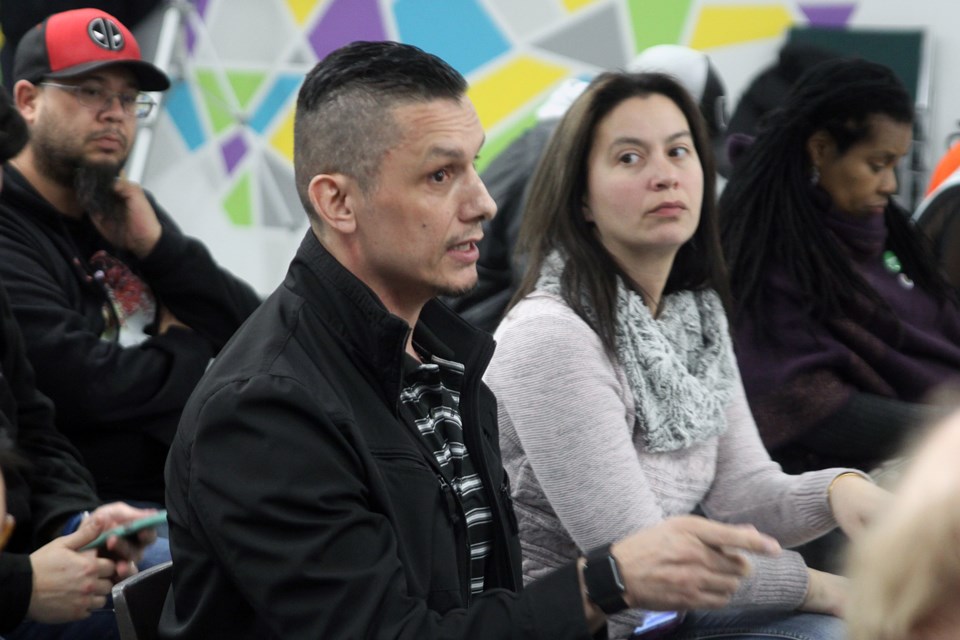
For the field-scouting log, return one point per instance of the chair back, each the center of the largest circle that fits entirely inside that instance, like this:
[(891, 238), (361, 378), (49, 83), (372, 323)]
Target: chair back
[(138, 601)]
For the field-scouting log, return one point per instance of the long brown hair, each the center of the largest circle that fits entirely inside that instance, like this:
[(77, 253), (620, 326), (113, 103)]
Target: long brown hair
[(553, 219)]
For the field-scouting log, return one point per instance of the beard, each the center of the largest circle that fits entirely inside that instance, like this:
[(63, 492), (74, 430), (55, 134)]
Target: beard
[(93, 184), (457, 292), (91, 181)]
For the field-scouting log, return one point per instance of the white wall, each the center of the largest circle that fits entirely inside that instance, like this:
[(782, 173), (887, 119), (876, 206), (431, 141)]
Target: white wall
[(193, 187)]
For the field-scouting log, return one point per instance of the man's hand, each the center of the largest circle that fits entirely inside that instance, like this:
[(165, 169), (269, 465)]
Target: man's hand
[(855, 501), (124, 551), (826, 593), (166, 319), (687, 563), (137, 232), (68, 584)]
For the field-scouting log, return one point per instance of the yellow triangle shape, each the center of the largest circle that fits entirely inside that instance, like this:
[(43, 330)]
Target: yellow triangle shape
[(573, 5), (301, 9), (511, 86), (282, 139), (721, 26)]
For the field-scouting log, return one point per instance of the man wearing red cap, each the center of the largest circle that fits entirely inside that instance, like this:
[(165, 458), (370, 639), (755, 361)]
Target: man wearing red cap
[(49, 588), (121, 312)]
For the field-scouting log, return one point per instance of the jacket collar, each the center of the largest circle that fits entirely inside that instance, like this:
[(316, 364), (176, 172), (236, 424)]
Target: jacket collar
[(375, 337)]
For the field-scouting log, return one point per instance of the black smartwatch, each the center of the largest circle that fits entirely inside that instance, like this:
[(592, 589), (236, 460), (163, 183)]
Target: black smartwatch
[(601, 576)]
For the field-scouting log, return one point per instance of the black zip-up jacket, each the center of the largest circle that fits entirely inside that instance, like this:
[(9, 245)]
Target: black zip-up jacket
[(49, 489), (303, 504), (119, 405)]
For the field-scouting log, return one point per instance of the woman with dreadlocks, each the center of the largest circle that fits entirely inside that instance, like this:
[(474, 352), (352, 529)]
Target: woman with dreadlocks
[(618, 396), (842, 323)]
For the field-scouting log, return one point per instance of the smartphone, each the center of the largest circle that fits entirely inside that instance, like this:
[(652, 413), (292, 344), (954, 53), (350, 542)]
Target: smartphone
[(656, 622), (127, 529)]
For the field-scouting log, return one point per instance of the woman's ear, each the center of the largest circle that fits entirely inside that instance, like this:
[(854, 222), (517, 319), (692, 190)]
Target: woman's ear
[(819, 147), (585, 210)]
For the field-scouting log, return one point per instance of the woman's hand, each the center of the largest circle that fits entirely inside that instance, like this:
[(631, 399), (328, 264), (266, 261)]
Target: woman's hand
[(826, 593)]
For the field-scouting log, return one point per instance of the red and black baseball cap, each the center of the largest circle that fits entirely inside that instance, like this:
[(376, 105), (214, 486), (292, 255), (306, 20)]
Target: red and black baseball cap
[(71, 43)]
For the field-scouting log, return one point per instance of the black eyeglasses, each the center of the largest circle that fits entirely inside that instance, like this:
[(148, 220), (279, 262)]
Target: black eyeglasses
[(6, 530), (93, 96)]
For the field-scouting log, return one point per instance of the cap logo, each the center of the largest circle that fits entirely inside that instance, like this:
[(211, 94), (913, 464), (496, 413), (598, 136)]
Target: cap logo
[(105, 34)]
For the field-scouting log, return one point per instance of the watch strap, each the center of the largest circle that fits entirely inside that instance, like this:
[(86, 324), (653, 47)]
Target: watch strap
[(603, 582)]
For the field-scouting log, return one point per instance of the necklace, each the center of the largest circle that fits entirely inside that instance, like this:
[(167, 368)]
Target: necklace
[(892, 264)]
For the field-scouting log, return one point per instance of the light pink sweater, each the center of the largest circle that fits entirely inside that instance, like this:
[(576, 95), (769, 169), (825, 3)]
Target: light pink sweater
[(580, 475)]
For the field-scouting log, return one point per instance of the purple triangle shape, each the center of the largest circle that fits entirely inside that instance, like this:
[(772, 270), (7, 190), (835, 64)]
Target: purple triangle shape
[(191, 38), (201, 6), (346, 21), (191, 33), (233, 151), (828, 15)]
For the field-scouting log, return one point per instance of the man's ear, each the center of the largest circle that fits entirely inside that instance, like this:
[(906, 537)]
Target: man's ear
[(25, 99), (333, 196), (819, 146)]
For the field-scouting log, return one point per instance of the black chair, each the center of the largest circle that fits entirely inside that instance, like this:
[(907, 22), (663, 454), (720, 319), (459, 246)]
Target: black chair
[(138, 601), (938, 217)]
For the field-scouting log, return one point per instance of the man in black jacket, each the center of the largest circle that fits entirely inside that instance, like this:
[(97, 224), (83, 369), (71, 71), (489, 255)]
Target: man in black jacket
[(120, 311), (48, 588), (337, 472)]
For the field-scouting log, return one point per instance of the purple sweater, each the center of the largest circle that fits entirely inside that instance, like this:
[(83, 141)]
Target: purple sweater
[(815, 367)]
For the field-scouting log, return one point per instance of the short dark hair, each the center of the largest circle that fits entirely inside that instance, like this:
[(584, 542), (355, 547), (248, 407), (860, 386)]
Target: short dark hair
[(554, 219), (344, 123), (772, 217), (13, 128)]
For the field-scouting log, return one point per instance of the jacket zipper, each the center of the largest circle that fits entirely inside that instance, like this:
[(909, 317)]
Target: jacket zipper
[(458, 518), (502, 508), (459, 521)]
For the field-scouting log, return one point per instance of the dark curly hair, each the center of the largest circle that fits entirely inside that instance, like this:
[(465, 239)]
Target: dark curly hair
[(770, 216)]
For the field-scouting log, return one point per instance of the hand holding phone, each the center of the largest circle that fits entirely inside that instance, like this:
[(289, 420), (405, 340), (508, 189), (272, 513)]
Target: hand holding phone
[(126, 530)]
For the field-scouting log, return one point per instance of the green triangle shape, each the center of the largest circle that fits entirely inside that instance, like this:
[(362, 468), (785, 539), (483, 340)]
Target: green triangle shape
[(216, 103), (656, 22), (239, 204), (497, 143), (245, 84)]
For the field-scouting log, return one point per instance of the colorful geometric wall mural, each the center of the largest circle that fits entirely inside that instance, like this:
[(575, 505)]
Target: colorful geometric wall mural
[(233, 100)]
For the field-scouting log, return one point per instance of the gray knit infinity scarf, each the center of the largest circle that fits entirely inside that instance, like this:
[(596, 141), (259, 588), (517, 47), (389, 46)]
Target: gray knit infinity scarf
[(679, 365)]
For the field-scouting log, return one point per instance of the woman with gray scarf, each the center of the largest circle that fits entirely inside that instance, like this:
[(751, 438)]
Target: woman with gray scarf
[(620, 403)]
